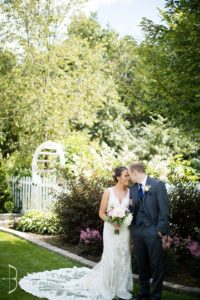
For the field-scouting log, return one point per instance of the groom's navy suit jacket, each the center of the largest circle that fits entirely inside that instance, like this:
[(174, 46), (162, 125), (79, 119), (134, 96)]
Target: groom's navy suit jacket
[(156, 204)]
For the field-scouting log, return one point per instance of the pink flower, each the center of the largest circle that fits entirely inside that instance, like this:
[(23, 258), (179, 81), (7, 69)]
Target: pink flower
[(90, 236), (194, 248)]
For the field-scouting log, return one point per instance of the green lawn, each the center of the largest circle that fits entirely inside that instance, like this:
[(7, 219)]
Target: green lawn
[(28, 258)]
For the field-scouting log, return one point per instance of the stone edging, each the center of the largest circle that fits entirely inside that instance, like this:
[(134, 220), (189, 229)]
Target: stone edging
[(168, 285)]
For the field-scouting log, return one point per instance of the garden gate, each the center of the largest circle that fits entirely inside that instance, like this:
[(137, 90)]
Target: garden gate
[(37, 192)]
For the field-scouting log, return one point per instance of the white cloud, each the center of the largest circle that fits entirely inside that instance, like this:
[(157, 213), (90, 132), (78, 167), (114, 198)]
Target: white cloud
[(93, 5)]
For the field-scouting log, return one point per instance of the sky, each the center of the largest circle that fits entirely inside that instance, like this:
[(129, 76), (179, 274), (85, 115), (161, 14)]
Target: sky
[(124, 16)]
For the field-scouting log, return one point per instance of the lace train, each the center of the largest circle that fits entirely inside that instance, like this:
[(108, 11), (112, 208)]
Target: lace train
[(71, 284)]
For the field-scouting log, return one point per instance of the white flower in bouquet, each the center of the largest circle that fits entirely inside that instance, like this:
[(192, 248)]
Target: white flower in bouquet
[(128, 219), (117, 212)]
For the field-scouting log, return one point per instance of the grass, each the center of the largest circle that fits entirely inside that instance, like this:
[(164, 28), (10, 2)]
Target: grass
[(28, 258)]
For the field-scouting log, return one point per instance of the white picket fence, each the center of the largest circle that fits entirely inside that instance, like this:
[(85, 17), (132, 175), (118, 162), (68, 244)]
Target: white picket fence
[(28, 195)]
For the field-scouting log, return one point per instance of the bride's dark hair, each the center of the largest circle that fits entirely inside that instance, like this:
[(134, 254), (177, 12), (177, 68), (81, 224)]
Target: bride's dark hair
[(118, 172)]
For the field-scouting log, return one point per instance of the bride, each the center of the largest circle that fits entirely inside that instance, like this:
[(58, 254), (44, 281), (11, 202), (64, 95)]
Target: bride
[(111, 277)]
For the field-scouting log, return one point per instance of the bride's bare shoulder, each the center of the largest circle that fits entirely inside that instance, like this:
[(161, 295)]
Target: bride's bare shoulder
[(108, 189), (106, 195)]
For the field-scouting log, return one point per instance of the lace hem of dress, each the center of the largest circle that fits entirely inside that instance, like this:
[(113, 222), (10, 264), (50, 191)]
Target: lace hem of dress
[(68, 284)]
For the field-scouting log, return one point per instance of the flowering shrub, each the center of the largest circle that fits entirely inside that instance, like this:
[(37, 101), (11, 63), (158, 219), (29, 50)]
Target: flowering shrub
[(91, 241), (178, 251), (184, 210), (89, 236), (193, 247), (188, 245), (184, 219), (187, 252)]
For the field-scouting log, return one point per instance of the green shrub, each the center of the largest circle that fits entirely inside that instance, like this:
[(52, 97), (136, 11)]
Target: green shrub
[(78, 208), (185, 207), (38, 222), (5, 194), (9, 206), (181, 171)]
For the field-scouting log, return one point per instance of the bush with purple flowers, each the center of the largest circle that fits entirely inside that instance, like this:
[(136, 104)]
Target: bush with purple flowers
[(193, 247), (184, 219), (185, 207), (183, 251), (187, 245), (91, 241)]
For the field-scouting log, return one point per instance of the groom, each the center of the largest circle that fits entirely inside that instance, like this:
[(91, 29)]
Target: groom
[(150, 222)]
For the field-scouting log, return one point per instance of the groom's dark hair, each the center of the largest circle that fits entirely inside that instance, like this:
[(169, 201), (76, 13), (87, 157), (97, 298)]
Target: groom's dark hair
[(138, 165)]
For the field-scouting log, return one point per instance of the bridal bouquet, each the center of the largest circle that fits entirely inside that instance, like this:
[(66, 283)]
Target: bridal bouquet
[(119, 215)]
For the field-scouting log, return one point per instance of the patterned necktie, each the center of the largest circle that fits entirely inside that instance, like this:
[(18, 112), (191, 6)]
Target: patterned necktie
[(140, 191)]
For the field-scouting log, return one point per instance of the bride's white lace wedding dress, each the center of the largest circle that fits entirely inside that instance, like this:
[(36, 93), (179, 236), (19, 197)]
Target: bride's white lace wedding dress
[(111, 277)]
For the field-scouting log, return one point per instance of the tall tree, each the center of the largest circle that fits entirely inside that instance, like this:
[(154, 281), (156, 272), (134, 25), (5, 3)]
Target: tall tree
[(170, 60), (55, 90)]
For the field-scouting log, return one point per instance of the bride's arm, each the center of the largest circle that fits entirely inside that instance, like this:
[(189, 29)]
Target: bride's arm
[(104, 205)]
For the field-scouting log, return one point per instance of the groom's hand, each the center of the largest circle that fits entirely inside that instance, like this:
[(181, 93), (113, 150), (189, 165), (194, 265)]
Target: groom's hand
[(160, 234)]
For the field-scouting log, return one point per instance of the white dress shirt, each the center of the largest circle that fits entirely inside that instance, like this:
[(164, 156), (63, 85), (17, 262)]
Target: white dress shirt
[(143, 182)]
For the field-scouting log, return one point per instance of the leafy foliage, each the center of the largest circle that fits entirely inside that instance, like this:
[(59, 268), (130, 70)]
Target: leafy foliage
[(5, 194), (9, 206), (170, 64), (78, 208), (38, 222), (181, 171), (185, 205)]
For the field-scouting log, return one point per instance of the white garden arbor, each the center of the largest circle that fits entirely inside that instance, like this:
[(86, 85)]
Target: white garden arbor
[(47, 156), (39, 190)]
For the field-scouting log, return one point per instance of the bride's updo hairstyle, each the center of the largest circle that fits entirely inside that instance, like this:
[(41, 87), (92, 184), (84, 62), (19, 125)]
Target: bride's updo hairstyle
[(118, 172)]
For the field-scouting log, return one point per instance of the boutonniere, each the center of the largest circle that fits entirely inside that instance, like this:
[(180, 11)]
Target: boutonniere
[(147, 188)]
